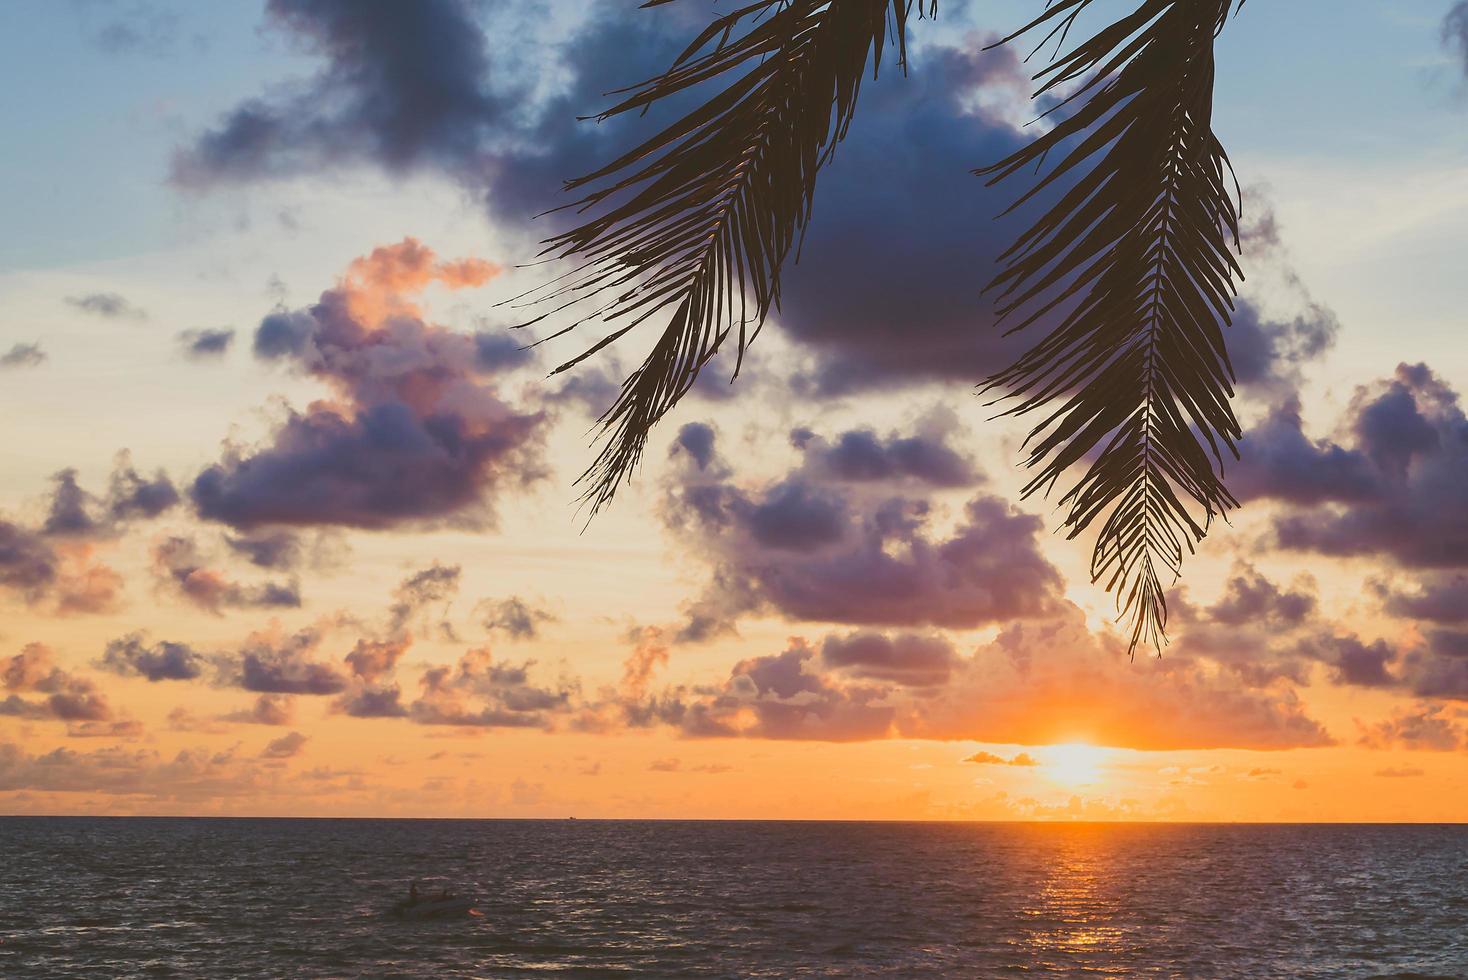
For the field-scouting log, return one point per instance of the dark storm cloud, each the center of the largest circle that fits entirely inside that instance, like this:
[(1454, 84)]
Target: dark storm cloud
[(132, 655), (404, 86), (835, 550), (23, 356), (1399, 491), (111, 306), (206, 344), (514, 617), (418, 437)]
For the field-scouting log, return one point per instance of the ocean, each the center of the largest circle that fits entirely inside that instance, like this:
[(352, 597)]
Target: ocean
[(185, 897)]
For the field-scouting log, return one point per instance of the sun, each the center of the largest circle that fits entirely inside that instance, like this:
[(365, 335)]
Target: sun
[(1075, 763)]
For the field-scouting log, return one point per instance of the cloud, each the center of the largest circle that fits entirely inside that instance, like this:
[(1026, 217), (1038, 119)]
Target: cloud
[(481, 692), (1436, 599), (68, 511), (206, 344), (131, 655), (428, 586), (179, 567), (68, 697), (267, 709), (111, 306), (778, 697), (1054, 681), (878, 317), (84, 585), (288, 746), (414, 435), (514, 617), (128, 728), (908, 659), (404, 87), (1424, 726), (192, 775), (73, 512), (817, 545), (1251, 598), (373, 694), (372, 701), (1455, 32), (132, 497), (1399, 772), (27, 562), (23, 356), (861, 456), (140, 28), (990, 759), (273, 663), (649, 653), (416, 91), (277, 549), (1397, 492), (1267, 355)]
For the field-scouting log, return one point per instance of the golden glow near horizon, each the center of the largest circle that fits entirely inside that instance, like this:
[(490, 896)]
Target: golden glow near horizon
[(1074, 764)]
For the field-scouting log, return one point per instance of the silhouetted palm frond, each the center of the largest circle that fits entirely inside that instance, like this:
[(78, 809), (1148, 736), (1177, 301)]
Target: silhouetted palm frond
[(697, 221), (1134, 259)]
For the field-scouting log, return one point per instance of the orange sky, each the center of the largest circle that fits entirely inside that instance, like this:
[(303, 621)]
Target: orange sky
[(289, 521)]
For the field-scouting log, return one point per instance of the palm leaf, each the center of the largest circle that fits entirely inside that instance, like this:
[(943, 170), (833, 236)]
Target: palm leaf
[(697, 221), (1134, 261)]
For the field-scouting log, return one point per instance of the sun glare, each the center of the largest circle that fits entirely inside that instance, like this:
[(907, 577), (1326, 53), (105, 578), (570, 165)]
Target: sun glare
[(1074, 764)]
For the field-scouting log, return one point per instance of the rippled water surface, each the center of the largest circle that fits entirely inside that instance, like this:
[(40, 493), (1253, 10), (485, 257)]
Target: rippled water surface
[(276, 898)]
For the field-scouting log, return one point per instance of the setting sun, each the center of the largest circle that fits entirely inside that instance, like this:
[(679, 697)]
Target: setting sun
[(1074, 764)]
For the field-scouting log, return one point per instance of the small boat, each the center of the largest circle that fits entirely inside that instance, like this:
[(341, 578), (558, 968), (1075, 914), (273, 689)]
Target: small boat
[(450, 907)]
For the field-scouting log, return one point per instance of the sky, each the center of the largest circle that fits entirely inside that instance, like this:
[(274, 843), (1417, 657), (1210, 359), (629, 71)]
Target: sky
[(288, 514)]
